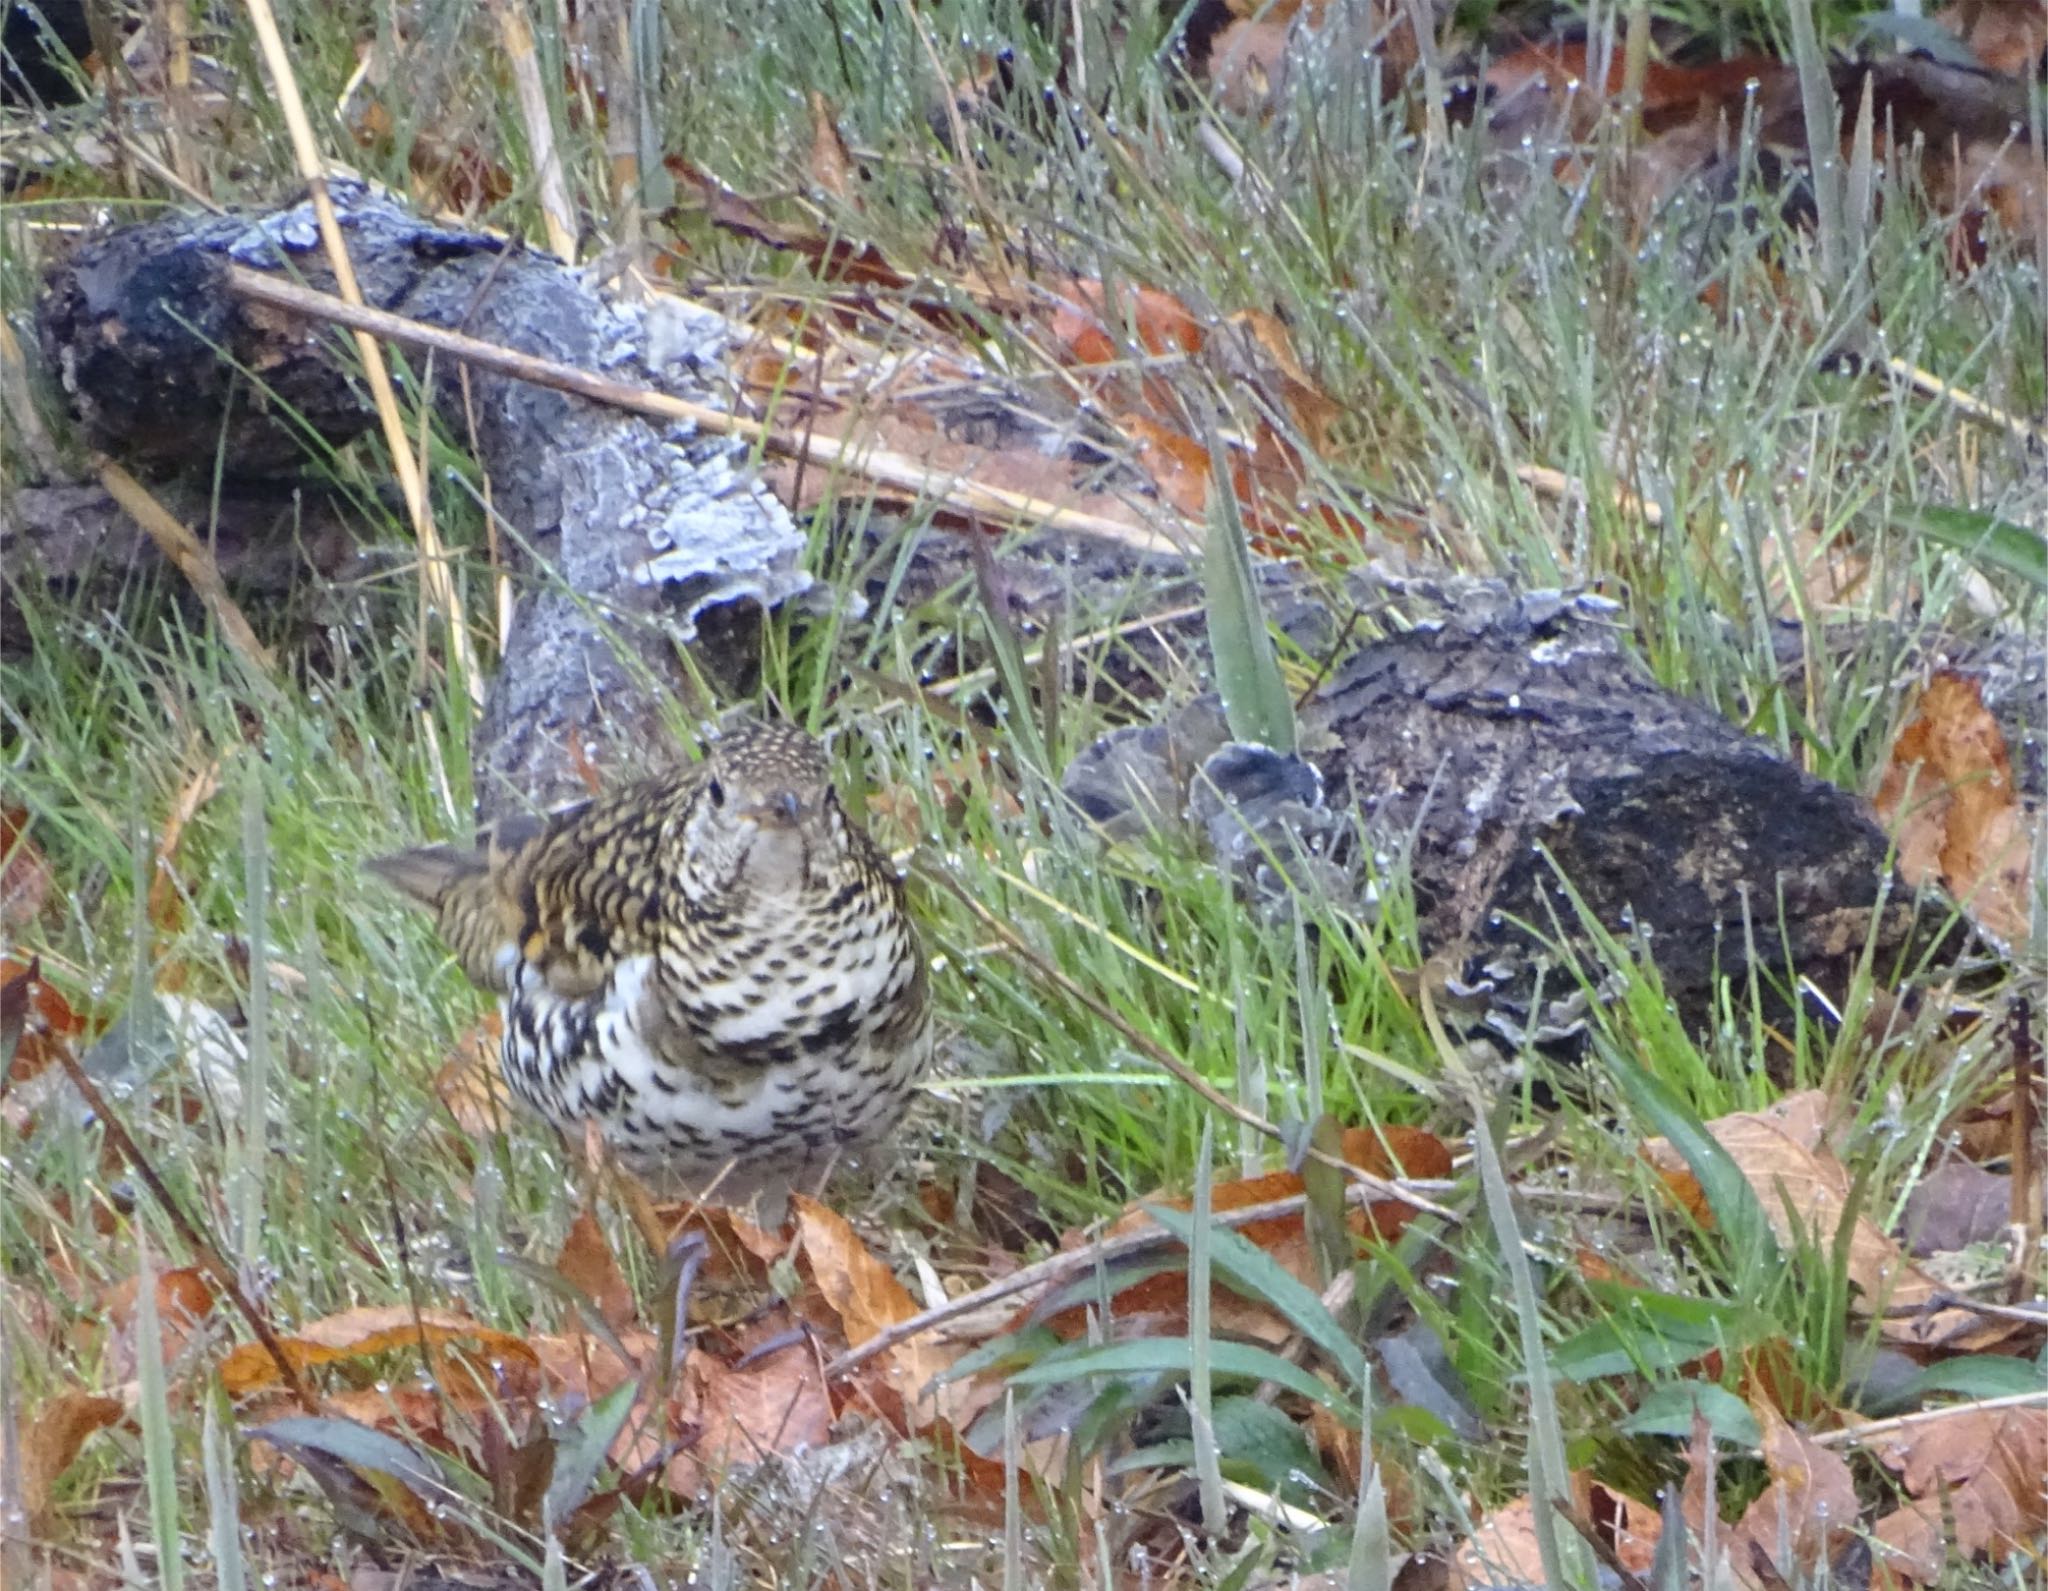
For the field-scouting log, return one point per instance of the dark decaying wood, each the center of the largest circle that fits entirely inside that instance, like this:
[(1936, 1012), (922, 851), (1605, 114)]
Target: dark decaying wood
[(1497, 745), (631, 536)]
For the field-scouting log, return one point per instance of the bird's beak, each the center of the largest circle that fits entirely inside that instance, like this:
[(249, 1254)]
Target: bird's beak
[(779, 809)]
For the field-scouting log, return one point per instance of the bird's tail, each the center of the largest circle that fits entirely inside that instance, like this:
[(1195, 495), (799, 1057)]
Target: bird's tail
[(457, 888)]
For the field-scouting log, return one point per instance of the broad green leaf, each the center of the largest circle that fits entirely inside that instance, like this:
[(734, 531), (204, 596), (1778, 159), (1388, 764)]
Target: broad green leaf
[(1648, 1333), (1981, 1375), (1736, 1208), (1668, 1411), (1994, 542), (359, 1446), (583, 1450)]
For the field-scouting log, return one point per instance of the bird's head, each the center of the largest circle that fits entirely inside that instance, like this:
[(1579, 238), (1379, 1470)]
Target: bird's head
[(762, 815)]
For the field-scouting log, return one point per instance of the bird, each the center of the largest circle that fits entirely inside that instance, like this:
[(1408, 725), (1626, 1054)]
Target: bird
[(713, 968)]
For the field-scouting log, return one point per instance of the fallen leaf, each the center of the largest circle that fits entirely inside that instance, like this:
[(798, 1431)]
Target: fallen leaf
[(1955, 1205), (586, 1263), (51, 1441), (35, 1021), (1163, 1297), (357, 1335), (1502, 1551), (740, 1414), (1981, 1469), (184, 1299), (831, 162), (2009, 36), (865, 1295), (25, 877), (1960, 820), (1803, 1188), (471, 1082), (1808, 1508)]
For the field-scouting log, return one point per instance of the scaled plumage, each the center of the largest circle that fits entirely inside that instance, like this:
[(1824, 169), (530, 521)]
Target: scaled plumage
[(714, 966)]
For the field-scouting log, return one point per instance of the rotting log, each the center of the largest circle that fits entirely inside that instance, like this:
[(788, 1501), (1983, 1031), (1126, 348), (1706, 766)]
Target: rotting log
[(628, 537), (1511, 758)]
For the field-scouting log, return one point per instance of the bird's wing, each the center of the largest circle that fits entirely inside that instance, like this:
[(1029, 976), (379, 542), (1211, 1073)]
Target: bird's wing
[(568, 893), (583, 889)]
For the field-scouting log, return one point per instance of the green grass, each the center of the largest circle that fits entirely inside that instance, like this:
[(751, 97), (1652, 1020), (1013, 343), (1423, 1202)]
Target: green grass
[(1468, 315)]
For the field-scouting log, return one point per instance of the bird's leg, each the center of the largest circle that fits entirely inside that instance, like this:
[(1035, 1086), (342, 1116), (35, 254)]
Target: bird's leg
[(685, 1254)]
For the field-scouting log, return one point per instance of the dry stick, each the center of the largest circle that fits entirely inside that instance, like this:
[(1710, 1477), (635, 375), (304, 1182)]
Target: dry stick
[(202, 1247), (1057, 1268), (1855, 1435), (556, 212), (897, 470), (306, 151), (1173, 1065), (1965, 403), (191, 556), (1548, 482)]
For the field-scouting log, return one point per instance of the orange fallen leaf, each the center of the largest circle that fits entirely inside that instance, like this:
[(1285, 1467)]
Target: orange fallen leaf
[(865, 1295), (24, 874), (586, 1263), (740, 1414), (184, 1298), (51, 1441), (472, 1085), (34, 1018), (1961, 821), (357, 1335), (1388, 1152)]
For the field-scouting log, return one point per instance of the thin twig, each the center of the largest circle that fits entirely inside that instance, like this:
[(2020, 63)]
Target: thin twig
[(1856, 1435), (306, 151), (896, 470), (1976, 408), (190, 555)]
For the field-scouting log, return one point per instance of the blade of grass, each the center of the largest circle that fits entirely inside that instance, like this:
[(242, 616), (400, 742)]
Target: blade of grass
[(1256, 702), (1201, 1388), (153, 1409)]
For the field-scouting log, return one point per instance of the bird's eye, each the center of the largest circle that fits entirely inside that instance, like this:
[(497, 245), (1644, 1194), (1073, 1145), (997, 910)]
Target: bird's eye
[(716, 791)]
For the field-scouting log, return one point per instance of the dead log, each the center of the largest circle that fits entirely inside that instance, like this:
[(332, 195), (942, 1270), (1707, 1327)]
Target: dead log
[(1511, 758), (631, 537)]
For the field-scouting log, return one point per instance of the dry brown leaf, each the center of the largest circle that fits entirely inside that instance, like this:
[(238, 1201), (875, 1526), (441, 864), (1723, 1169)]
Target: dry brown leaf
[(2008, 36), (1960, 820), (24, 874), (1981, 1468), (1389, 1152), (1783, 1154), (51, 1441), (356, 1335), (867, 1298), (831, 161), (184, 1298), (472, 1084), (586, 1263), (741, 1414), (1808, 1508), (1502, 1551), (35, 1019)]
